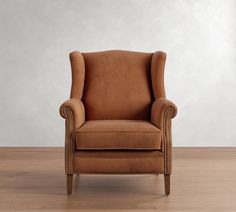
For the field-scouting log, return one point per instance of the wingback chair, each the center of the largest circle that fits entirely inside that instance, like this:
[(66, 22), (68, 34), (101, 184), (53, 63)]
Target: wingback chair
[(118, 120)]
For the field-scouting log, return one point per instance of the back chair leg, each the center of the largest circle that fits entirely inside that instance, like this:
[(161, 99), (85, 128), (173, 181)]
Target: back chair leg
[(69, 183), (167, 184)]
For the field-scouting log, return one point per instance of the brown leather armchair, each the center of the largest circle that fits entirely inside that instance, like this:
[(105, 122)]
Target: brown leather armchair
[(118, 119)]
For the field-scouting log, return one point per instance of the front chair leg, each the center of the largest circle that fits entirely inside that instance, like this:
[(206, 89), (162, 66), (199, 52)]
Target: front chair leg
[(69, 183), (167, 184)]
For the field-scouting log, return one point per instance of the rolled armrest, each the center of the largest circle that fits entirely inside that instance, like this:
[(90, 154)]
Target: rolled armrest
[(73, 111), (162, 108)]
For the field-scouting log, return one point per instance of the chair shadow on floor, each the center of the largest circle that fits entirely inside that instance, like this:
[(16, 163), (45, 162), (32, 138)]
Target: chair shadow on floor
[(117, 191), (48, 190)]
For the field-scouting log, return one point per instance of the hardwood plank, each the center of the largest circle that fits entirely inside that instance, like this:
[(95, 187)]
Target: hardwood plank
[(33, 179)]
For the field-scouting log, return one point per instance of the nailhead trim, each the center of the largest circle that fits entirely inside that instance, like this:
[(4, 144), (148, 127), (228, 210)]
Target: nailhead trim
[(69, 140), (167, 138)]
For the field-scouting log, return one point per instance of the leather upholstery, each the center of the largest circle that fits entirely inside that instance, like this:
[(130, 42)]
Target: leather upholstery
[(118, 134), (78, 74), (77, 109), (73, 111), (159, 107), (157, 74), (119, 162), (117, 85), (162, 112), (121, 92)]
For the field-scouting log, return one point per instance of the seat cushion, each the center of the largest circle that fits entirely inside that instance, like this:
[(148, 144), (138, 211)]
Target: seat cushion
[(118, 134)]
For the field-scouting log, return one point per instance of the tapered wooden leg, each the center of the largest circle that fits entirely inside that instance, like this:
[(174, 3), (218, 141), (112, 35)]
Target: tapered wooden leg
[(167, 184), (69, 183)]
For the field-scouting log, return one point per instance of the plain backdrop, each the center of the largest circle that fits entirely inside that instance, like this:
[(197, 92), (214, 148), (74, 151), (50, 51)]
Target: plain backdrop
[(199, 38)]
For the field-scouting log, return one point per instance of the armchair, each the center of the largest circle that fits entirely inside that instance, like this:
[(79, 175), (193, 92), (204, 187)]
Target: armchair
[(118, 119)]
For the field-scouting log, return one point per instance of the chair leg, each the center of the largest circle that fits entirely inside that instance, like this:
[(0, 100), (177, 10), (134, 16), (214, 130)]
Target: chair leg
[(167, 184), (69, 183)]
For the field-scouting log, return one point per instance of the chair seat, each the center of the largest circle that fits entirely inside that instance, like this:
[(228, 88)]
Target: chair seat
[(118, 135)]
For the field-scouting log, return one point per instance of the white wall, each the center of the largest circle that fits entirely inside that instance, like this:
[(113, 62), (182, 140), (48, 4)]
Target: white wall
[(198, 36)]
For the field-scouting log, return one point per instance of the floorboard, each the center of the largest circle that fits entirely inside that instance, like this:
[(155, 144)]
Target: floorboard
[(33, 179)]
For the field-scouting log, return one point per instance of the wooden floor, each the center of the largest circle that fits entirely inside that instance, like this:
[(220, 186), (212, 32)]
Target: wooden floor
[(203, 179)]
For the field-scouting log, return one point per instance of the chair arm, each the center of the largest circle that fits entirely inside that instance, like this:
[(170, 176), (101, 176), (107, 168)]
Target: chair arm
[(162, 112), (73, 111), (162, 108)]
